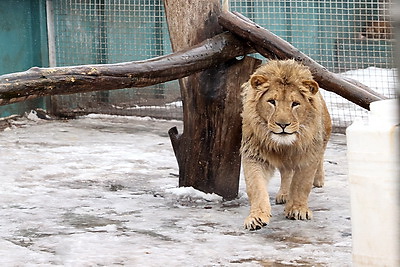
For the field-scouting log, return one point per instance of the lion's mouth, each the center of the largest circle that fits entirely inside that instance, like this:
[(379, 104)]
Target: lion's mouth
[(284, 138), (284, 133)]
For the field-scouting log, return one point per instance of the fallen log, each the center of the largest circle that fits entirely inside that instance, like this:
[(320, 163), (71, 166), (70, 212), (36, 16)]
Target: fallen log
[(272, 46), (38, 82)]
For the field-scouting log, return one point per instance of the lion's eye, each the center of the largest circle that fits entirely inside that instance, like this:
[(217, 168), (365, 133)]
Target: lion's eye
[(295, 104), (271, 101)]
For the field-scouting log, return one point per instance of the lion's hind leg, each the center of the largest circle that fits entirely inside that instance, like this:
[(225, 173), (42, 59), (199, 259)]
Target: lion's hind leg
[(283, 193), (319, 179), (257, 176)]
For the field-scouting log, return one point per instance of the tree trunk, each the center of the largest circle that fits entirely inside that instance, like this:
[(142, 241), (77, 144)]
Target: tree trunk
[(38, 82), (271, 46), (208, 149)]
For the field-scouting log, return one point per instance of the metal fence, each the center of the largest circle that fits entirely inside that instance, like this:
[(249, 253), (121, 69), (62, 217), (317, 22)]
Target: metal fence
[(112, 31), (350, 37)]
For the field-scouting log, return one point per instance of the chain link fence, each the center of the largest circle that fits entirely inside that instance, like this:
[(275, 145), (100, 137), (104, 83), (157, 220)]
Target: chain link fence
[(353, 38)]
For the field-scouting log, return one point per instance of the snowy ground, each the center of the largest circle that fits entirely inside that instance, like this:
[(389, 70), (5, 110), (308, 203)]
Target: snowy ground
[(102, 191)]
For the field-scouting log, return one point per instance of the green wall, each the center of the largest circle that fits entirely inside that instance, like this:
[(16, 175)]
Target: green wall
[(23, 43)]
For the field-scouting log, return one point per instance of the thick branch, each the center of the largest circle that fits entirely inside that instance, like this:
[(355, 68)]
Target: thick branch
[(37, 82), (272, 46)]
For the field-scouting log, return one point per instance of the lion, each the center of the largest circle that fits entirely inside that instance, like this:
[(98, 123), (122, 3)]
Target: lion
[(286, 126)]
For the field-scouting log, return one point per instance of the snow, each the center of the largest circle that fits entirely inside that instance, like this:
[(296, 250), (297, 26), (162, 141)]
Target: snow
[(344, 112), (191, 194), (32, 115), (102, 190), (383, 81), (175, 104)]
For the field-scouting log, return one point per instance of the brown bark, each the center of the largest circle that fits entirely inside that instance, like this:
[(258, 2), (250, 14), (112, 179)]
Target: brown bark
[(208, 149), (272, 46), (37, 82)]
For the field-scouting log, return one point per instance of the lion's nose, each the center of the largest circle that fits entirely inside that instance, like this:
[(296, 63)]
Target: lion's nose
[(282, 125)]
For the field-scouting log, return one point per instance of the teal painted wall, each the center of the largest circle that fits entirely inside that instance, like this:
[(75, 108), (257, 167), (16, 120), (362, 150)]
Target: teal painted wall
[(23, 44)]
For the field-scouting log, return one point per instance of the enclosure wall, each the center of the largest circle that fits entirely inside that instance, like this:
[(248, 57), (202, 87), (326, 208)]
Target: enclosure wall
[(351, 37), (23, 44)]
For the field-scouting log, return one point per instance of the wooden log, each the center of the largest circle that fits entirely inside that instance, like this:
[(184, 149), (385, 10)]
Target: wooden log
[(37, 82), (272, 46), (208, 149)]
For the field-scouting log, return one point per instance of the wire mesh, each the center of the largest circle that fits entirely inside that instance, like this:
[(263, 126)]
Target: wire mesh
[(352, 37), (112, 31)]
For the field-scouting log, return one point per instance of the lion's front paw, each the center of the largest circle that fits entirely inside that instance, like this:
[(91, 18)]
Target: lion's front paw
[(257, 220), (298, 212)]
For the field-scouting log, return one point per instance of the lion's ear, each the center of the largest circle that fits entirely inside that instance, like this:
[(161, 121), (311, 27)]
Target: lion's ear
[(312, 86), (257, 80)]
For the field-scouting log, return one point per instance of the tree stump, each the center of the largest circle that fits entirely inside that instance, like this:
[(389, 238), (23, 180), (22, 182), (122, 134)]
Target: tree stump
[(208, 149)]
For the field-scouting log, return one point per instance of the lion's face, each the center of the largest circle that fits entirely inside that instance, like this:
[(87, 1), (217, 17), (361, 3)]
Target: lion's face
[(284, 107)]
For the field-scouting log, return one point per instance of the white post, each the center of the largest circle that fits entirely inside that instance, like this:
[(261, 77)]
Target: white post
[(51, 41), (374, 166)]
